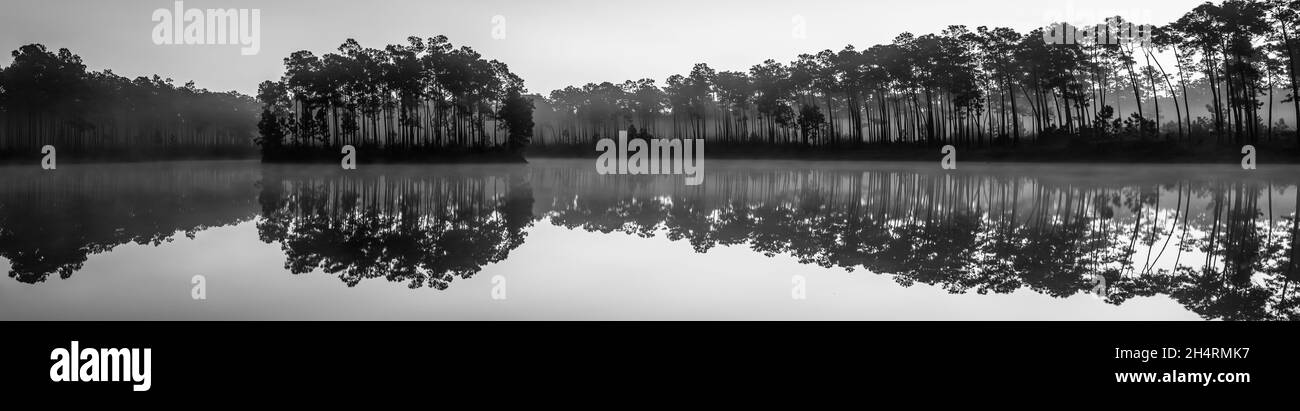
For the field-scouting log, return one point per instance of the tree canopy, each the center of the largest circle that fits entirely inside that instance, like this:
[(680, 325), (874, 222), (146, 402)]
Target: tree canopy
[(49, 98), (422, 97), (976, 87)]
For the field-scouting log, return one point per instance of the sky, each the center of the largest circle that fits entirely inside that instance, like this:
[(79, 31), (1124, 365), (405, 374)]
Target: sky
[(551, 44)]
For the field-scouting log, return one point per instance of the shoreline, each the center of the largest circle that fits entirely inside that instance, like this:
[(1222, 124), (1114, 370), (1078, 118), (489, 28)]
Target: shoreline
[(1134, 153), (1148, 152)]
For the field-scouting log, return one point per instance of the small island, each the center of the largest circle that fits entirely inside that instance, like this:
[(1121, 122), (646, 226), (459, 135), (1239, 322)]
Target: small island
[(424, 101)]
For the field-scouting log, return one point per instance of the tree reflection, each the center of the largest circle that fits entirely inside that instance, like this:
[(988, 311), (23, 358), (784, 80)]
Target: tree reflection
[(50, 223), (421, 231), (1223, 247), (1225, 250)]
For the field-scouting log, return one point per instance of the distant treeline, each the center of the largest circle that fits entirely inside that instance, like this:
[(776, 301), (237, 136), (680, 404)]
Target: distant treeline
[(976, 88), (424, 100), (48, 98)]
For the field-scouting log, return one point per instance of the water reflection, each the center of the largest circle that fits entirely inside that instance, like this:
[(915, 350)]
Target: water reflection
[(51, 222), (1222, 244), (417, 230), (1208, 243)]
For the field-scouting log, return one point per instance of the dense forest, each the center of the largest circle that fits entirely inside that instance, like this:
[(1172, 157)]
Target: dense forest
[(417, 101), (979, 87), (48, 98), (1220, 76)]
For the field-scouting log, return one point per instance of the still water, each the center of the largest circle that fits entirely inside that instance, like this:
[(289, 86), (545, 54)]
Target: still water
[(554, 240)]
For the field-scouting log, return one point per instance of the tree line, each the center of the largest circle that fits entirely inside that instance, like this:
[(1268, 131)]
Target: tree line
[(976, 87), (970, 87), (419, 99), (49, 98)]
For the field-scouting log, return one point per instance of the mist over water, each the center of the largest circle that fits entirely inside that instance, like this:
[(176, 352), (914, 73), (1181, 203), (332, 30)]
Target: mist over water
[(869, 241)]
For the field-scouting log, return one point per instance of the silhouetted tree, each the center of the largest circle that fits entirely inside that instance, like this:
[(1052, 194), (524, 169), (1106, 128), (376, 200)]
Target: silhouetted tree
[(422, 99)]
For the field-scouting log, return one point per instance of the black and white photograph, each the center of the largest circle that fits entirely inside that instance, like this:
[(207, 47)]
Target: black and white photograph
[(1102, 191)]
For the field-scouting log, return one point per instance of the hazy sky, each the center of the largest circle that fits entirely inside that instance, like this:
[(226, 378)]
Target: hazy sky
[(551, 44)]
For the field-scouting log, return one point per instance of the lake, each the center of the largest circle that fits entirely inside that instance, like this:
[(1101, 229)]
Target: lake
[(552, 239)]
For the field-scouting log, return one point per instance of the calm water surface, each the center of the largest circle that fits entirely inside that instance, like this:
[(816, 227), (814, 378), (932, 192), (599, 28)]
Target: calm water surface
[(554, 240)]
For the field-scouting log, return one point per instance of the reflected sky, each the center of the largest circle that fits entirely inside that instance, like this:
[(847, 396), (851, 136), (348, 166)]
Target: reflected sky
[(880, 241)]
